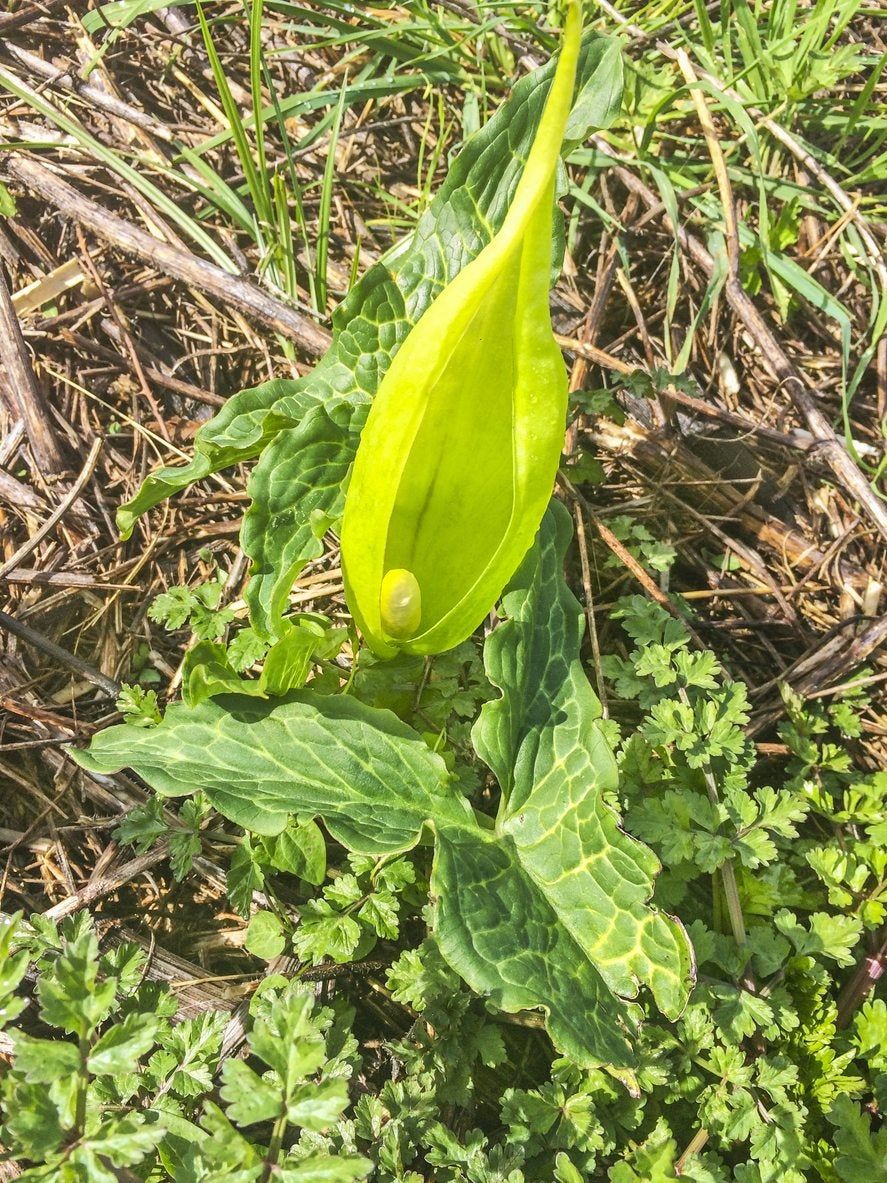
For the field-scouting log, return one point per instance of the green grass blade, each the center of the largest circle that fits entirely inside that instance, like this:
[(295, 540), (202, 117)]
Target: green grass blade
[(161, 202), (326, 201), (236, 126)]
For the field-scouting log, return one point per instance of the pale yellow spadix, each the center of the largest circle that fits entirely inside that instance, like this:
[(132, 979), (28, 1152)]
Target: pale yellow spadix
[(460, 450), (400, 600)]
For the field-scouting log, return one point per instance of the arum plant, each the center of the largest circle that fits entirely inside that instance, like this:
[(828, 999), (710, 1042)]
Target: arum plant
[(443, 356), (304, 434), (461, 446)]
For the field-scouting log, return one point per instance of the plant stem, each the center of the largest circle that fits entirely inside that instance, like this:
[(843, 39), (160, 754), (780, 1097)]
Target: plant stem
[(275, 1146), (696, 1144), (80, 1109), (870, 969), (728, 871)]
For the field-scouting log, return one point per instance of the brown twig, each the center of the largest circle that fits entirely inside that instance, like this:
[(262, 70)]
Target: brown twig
[(34, 12), (229, 291), (104, 885), (655, 454), (827, 444), (21, 496), (58, 513), (186, 389), (118, 321), (866, 976), (747, 554), (802, 441), (830, 658), (96, 97), (695, 1146), (626, 558), (57, 653), (589, 606), (36, 578), (19, 389)]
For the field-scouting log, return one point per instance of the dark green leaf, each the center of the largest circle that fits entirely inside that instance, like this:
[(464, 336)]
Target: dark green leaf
[(245, 876), (507, 918), (71, 995), (297, 494), (41, 1061), (238, 432), (323, 1168), (126, 1140), (121, 1046), (544, 741), (32, 1118), (249, 1097), (264, 936), (862, 1155), (299, 850)]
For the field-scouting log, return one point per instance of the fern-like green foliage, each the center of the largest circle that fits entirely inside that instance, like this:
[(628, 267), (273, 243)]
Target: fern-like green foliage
[(118, 1085)]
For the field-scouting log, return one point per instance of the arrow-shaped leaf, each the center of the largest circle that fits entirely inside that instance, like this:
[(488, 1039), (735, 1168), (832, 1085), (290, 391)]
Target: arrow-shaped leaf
[(544, 908), (544, 741)]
